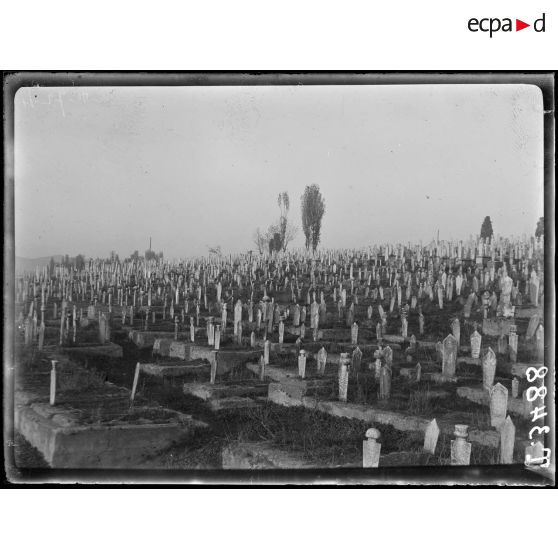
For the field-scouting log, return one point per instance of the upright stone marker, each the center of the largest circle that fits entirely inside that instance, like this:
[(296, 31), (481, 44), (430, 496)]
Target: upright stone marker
[(507, 441), (498, 405), (371, 449), (356, 361), (460, 448), (449, 358), (267, 346), (354, 333), (385, 383), (431, 437), (488, 368), (343, 380), (53, 383), (302, 363), (476, 341), (456, 330), (321, 360)]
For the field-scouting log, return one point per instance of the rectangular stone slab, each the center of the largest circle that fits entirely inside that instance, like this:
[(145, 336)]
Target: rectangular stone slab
[(100, 446), (481, 397), (208, 391), (174, 370), (111, 350)]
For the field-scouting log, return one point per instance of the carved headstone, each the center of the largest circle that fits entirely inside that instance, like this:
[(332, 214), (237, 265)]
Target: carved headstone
[(498, 405), (460, 448)]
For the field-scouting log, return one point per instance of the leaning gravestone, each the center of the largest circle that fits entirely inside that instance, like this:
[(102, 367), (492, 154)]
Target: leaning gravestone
[(431, 437), (498, 405)]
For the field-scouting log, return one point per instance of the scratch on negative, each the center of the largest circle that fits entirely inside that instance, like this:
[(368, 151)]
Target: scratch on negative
[(61, 103)]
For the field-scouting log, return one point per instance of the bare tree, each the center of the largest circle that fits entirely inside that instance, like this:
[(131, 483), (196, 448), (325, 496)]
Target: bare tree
[(313, 209), (278, 235)]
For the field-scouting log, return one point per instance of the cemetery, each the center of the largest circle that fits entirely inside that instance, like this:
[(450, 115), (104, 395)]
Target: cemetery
[(393, 355)]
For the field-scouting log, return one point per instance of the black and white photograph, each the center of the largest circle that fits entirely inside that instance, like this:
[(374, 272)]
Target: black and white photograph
[(285, 278)]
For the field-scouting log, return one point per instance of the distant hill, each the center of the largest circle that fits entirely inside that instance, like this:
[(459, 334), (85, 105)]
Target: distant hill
[(23, 265)]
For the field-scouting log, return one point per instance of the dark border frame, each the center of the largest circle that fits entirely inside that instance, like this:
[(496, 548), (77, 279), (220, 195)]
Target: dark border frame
[(497, 475)]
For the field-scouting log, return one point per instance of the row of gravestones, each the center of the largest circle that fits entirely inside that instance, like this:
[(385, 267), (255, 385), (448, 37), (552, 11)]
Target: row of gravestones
[(460, 449)]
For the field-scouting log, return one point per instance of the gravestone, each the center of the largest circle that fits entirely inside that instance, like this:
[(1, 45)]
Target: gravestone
[(498, 405), (377, 369), (354, 334), (532, 327), (507, 441), (388, 356), (539, 342), (267, 347), (488, 368), (456, 330), (449, 356), (356, 361), (302, 363), (385, 383), (41, 336), (343, 380), (460, 448), (502, 345), (321, 360), (431, 437), (513, 344), (476, 340), (296, 316), (371, 449)]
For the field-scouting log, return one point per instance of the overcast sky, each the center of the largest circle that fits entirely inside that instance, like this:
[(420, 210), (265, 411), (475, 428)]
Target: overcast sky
[(104, 168)]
